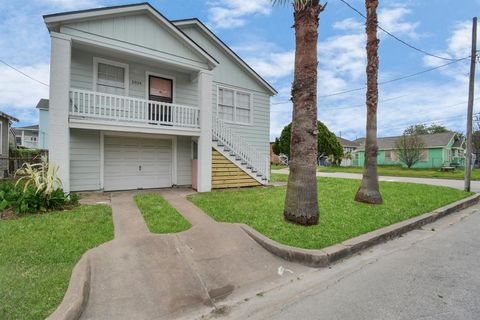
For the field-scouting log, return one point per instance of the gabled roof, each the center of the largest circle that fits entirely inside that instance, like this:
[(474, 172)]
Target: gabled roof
[(199, 24), (53, 21), (347, 143), (43, 104), (9, 117), (438, 140)]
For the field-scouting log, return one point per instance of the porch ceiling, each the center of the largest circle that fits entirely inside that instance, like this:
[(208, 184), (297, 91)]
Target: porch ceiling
[(138, 57)]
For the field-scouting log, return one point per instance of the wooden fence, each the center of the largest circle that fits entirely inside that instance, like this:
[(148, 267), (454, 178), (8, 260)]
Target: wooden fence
[(8, 166)]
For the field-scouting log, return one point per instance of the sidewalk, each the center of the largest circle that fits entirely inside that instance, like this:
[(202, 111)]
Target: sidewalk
[(457, 184)]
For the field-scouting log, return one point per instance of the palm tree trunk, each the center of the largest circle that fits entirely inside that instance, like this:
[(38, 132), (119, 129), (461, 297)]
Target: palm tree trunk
[(301, 202), (369, 191)]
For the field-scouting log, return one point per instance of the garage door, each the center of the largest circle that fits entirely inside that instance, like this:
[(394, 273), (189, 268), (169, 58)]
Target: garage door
[(137, 163)]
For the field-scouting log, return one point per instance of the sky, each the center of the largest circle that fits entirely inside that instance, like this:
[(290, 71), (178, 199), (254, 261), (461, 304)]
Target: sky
[(262, 35)]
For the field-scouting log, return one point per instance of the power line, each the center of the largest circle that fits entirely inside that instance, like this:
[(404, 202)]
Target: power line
[(363, 105), (397, 38), (24, 74), (385, 82)]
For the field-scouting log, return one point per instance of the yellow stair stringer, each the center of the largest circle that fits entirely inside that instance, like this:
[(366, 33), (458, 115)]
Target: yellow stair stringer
[(227, 174)]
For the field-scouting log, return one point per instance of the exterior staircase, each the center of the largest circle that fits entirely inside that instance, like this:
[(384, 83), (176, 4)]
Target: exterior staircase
[(236, 149)]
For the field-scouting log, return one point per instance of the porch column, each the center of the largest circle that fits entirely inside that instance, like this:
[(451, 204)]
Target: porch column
[(204, 177), (58, 130)]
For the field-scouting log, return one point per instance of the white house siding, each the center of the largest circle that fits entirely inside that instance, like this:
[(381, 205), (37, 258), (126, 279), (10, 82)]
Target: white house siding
[(184, 161), (231, 74), (84, 160), (82, 77), (138, 33), (43, 129)]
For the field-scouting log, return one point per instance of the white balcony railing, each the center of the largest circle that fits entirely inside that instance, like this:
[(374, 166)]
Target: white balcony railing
[(97, 105)]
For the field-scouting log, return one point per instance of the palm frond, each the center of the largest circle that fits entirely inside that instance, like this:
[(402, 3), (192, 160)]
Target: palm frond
[(295, 2)]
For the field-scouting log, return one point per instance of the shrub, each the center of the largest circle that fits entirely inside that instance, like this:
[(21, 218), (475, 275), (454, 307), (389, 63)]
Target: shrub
[(37, 190)]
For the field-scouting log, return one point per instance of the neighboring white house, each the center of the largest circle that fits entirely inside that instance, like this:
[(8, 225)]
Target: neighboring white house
[(42, 107), (26, 137), (349, 148), (139, 101)]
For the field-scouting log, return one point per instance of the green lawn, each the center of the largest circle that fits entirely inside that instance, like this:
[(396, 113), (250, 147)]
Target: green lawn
[(341, 217), (159, 215), (404, 172), (38, 253), (278, 166)]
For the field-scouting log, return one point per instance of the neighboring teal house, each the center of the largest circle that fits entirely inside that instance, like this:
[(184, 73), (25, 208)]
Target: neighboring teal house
[(442, 149)]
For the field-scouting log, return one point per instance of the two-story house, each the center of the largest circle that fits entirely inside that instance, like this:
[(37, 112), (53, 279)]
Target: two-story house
[(6, 136), (139, 101), (26, 136)]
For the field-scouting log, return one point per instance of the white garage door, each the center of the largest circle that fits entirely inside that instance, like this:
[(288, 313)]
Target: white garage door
[(136, 163)]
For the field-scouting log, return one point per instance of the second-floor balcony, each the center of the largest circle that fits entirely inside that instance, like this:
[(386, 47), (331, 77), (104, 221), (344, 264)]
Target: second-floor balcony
[(91, 105)]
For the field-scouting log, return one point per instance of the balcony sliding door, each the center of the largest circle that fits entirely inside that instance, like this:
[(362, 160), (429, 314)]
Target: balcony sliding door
[(161, 90)]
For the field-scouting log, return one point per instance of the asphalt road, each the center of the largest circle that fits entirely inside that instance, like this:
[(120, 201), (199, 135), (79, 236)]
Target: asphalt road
[(457, 184), (432, 273)]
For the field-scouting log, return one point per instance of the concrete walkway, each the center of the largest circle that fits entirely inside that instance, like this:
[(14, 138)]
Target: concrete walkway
[(457, 184), (140, 275)]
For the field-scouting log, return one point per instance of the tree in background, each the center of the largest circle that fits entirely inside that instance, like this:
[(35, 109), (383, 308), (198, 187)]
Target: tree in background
[(422, 128), (369, 191), (327, 144), (409, 148), (301, 201)]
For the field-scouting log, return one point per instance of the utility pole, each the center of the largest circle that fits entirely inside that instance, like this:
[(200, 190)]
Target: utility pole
[(471, 93)]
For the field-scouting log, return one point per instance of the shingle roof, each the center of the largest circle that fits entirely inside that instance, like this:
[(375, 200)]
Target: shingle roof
[(430, 140), (43, 104), (347, 143), (9, 117), (33, 127)]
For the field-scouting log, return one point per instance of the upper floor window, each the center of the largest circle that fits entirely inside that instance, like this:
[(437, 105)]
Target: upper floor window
[(234, 106), (110, 76)]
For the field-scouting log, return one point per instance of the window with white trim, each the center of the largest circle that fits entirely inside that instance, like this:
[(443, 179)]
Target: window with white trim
[(111, 76), (234, 106)]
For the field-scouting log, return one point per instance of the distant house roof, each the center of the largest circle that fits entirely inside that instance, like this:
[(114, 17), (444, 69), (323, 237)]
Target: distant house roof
[(43, 104), (33, 127), (430, 140), (347, 143), (9, 117)]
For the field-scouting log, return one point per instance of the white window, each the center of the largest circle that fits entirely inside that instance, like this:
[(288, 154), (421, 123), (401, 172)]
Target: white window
[(234, 106), (110, 77)]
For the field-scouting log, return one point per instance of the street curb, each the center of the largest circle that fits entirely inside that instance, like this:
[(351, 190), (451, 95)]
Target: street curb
[(76, 297), (326, 256)]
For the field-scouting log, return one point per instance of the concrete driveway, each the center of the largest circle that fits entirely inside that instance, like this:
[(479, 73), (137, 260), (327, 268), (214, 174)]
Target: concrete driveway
[(140, 275), (457, 184)]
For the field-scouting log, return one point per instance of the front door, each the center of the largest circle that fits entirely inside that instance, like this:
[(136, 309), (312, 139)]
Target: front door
[(161, 90)]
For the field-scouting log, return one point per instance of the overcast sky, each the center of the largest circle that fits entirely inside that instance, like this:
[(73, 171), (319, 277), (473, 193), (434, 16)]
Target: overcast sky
[(262, 35)]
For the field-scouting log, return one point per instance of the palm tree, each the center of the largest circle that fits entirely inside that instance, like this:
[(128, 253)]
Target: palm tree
[(301, 201), (369, 191)]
